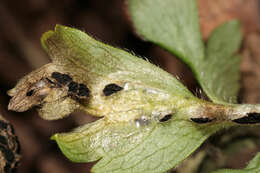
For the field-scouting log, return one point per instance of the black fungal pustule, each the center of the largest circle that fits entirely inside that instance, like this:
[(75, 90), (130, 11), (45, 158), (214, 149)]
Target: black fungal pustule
[(111, 89), (201, 120), (73, 87), (166, 118), (30, 93), (83, 91), (251, 118), (62, 79)]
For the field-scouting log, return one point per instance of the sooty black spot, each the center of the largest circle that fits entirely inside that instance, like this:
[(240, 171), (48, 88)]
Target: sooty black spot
[(251, 118), (83, 90), (30, 93), (3, 125), (61, 78), (166, 118), (201, 120), (3, 140), (111, 89), (73, 87), (8, 154)]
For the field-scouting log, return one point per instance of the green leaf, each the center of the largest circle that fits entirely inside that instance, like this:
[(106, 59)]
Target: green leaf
[(219, 72), (174, 25), (125, 148), (252, 167)]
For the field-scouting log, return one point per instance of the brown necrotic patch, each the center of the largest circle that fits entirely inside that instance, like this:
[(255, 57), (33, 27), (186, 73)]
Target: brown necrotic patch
[(62, 81), (111, 89), (202, 120), (251, 118)]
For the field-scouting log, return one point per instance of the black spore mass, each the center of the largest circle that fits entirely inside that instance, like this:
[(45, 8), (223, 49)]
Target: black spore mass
[(62, 79), (111, 89), (83, 90), (73, 87), (201, 120), (251, 118), (166, 118)]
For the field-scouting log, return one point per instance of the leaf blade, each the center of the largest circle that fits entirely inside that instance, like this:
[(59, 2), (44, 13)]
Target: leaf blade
[(219, 74), (159, 22), (176, 30), (170, 142)]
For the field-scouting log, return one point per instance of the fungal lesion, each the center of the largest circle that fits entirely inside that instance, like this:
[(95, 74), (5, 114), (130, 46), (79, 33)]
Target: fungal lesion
[(202, 120), (50, 89), (60, 78), (165, 118), (250, 118), (111, 89)]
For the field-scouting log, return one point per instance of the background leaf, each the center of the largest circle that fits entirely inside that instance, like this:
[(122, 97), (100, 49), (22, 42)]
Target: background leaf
[(174, 25), (219, 72)]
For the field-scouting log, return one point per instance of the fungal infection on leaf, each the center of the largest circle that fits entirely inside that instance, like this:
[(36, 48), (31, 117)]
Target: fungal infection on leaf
[(166, 118), (111, 89), (250, 118), (133, 98), (202, 120), (62, 79)]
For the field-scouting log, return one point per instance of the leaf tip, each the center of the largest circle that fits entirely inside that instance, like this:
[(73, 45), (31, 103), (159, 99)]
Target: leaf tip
[(54, 137), (44, 38)]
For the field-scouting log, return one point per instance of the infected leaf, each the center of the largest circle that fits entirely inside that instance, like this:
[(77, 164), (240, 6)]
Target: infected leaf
[(41, 88), (146, 113)]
